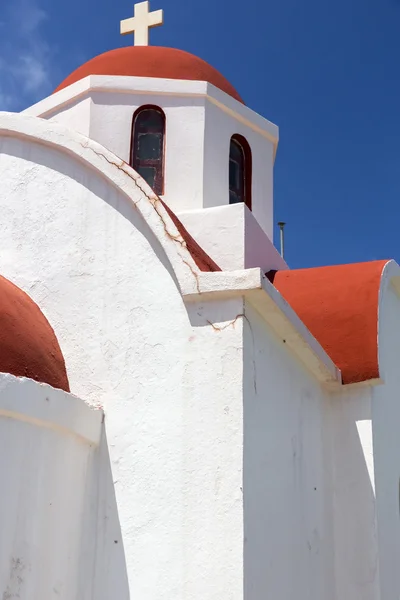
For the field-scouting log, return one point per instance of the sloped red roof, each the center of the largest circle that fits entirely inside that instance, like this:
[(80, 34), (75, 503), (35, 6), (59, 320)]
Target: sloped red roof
[(339, 305)]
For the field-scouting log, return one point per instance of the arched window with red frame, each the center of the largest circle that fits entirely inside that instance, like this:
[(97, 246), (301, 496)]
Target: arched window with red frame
[(148, 143), (240, 171)]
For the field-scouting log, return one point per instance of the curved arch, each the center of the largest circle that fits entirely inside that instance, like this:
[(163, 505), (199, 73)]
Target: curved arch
[(180, 252), (147, 154), (240, 170)]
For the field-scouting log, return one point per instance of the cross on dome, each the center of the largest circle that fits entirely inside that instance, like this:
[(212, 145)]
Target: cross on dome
[(142, 22)]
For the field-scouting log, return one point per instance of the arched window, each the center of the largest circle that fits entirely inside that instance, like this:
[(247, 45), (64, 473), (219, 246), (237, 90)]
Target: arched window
[(240, 168), (147, 152)]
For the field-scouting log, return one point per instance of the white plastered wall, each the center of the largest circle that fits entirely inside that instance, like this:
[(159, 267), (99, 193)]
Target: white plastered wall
[(287, 469), (200, 123), (111, 125), (232, 235), (77, 115), (168, 377), (353, 494), (309, 462), (48, 445), (221, 443), (220, 126), (386, 438), (87, 257)]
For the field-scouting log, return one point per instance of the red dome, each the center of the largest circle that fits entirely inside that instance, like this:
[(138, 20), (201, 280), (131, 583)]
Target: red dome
[(28, 345), (152, 61)]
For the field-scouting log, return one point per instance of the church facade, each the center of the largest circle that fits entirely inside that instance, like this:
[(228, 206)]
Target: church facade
[(182, 415)]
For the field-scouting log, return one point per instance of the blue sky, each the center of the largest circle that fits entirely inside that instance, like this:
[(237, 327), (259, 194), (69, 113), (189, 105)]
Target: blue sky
[(327, 73)]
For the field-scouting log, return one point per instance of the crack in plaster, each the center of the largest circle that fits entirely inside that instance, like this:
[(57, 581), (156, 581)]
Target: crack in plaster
[(232, 323), (254, 351), (153, 201), (195, 275)]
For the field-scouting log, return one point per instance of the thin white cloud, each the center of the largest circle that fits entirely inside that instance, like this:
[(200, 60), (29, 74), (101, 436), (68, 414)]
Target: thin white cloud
[(6, 101), (32, 73), (26, 59), (33, 16)]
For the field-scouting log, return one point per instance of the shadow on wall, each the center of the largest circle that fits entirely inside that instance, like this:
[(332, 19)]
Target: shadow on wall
[(221, 316), (110, 578), (354, 502)]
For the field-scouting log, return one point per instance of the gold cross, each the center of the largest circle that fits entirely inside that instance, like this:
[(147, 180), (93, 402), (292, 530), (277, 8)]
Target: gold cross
[(142, 22)]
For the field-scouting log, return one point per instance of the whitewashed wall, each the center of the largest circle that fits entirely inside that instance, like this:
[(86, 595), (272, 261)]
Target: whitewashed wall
[(168, 377), (87, 258), (287, 466), (233, 237), (48, 444), (200, 123), (85, 255), (111, 125), (227, 460), (76, 114), (220, 126), (386, 426), (309, 499), (353, 495)]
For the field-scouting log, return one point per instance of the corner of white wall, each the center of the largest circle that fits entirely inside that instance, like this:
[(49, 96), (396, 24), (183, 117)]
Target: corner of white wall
[(47, 441), (233, 238), (386, 439)]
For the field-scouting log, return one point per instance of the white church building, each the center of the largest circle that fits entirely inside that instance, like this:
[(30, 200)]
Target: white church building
[(182, 417)]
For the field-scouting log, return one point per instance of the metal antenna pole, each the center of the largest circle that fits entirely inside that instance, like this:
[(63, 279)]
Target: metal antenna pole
[(281, 226)]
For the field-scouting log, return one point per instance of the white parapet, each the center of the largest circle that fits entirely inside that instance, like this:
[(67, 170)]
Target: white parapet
[(48, 439)]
